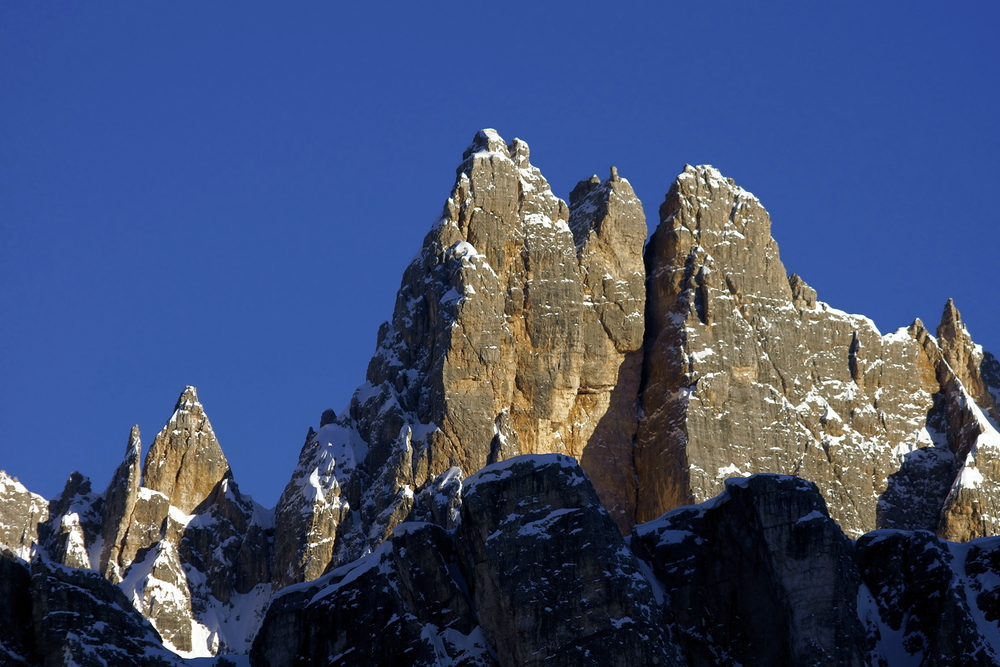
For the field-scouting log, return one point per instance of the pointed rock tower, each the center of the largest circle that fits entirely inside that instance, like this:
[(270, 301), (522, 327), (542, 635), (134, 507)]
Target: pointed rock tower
[(515, 331), (119, 503), (185, 462)]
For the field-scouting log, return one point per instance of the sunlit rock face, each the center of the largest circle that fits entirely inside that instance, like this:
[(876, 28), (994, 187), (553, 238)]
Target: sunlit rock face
[(513, 484), (192, 555), (747, 372), (517, 329), (189, 550)]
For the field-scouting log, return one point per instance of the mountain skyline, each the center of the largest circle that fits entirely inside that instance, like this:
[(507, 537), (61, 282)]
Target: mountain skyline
[(230, 201)]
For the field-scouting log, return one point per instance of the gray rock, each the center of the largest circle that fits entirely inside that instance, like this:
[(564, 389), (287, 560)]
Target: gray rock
[(936, 599), (404, 604), (551, 578), (80, 619), (759, 575)]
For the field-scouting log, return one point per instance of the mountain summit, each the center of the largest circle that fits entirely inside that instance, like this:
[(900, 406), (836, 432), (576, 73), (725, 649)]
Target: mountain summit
[(573, 446)]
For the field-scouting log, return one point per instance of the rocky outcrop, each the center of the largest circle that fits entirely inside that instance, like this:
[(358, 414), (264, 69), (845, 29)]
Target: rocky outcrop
[(536, 572), (185, 462), (936, 600), (516, 330), (21, 512), (118, 510), (580, 597), (475, 596), (747, 372), (403, 604), (81, 619), (200, 575), (74, 523), (759, 575)]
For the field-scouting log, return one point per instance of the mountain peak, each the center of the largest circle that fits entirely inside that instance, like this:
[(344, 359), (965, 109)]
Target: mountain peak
[(188, 399), (488, 141), (185, 461)]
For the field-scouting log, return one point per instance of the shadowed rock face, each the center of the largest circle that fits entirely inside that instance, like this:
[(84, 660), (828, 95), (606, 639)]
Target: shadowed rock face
[(938, 598), (760, 575), (405, 604), (536, 573), (59, 616), (17, 638)]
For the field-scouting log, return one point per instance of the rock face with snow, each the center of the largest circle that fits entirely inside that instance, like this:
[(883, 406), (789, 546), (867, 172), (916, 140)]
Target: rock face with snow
[(21, 512), (747, 372), (537, 573), (937, 599), (189, 550), (193, 555), (440, 518), (516, 330), (55, 615)]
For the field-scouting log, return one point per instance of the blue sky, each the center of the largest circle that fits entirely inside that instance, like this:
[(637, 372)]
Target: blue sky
[(226, 194)]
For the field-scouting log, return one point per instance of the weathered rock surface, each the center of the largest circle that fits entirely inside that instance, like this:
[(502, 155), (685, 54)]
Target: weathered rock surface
[(404, 604), (536, 573), (937, 600), (516, 330), (200, 575), (21, 512), (747, 372), (759, 575), (185, 462), (118, 510), (81, 619), (551, 578)]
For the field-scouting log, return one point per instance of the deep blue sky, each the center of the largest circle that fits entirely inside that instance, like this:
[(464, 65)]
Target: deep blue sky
[(226, 194)]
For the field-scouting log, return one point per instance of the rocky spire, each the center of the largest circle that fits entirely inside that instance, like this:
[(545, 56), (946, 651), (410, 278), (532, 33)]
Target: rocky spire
[(964, 357), (185, 461), (119, 502), (510, 335), (74, 523), (747, 372)]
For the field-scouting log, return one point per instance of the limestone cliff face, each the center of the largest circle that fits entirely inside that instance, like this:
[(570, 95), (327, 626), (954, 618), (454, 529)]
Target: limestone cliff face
[(470, 597), (119, 505), (190, 551), (516, 330), (185, 462), (21, 511), (747, 372), (536, 573), (966, 411)]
